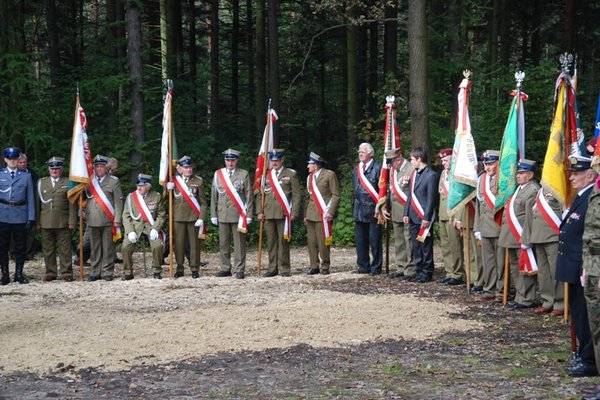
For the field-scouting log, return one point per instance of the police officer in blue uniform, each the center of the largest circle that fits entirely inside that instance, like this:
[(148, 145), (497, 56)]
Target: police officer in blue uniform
[(17, 213)]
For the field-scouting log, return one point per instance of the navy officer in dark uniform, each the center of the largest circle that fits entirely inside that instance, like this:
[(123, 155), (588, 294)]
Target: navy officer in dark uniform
[(570, 259), (17, 213)]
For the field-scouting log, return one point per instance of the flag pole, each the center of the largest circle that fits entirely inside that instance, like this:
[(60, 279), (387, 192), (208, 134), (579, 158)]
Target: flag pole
[(468, 240), (170, 169), (81, 260), (262, 188)]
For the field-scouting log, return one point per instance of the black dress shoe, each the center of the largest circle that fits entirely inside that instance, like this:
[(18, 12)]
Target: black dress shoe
[(239, 275), (195, 274), (68, 278), (93, 278), (5, 280), (374, 273), (593, 397), (21, 279), (324, 272), (396, 275), (270, 274), (285, 274), (178, 274), (118, 260), (313, 271), (49, 278), (423, 279), (222, 274), (108, 278), (453, 282), (581, 369), (477, 289), (406, 277), (127, 277), (157, 275), (518, 306), (360, 271), (444, 279)]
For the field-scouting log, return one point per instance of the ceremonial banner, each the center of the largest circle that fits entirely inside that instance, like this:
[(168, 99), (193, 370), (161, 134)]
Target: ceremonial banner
[(463, 167), (596, 155), (265, 147), (81, 168), (391, 140), (168, 137)]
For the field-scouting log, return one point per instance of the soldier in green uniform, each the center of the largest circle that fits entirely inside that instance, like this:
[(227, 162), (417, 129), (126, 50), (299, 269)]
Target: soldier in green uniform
[(320, 207), (56, 216), (103, 215), (400, 172), (486, 229), (281, 207), (465, 215), (450, 238), (143, 213), (514, 216), (231, 210), (591, 271), (541, 233), (189, 214)]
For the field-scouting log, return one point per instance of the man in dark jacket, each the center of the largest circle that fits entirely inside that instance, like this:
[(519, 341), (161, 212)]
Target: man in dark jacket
[(420, 213), (570, 260), (367, 232)]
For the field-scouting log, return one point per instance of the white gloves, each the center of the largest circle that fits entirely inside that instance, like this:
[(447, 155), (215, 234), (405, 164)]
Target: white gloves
[(214, 221), (132, 236), (170, 186), (198, 223), (153, 234), (477, 235), (248, 220)]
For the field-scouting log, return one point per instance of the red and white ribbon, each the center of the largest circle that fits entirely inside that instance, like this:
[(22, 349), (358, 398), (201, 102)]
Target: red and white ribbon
[(322, 208), (396, 189), (552, 219), (364, 182), (488, 195), (142, 207), (235, 198), (416, 205), (105, 205), (283, 203), (527, 261)]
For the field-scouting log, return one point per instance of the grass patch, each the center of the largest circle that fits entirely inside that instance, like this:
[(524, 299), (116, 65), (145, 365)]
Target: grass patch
[(394, 370)]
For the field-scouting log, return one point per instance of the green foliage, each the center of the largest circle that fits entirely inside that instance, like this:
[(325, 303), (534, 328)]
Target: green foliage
[(343, 227)]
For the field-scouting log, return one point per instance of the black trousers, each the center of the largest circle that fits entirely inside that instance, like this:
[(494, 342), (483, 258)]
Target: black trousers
[(19, 234), (367, 235), (579, 314), (422, 254)]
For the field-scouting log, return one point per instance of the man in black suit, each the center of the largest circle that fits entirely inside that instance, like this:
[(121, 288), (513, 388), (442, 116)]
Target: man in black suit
[(420, 213), (367, 232), (569, 262)]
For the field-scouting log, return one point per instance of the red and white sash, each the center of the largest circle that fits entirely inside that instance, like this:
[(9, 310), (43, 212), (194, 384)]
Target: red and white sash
[(527, 262), (488, 195), (416, 205), (322, 208), (184, 190), (364, 182), (552, 219), (105, 205), (235, 198), (283, 203), (142, 207), (396, 189)]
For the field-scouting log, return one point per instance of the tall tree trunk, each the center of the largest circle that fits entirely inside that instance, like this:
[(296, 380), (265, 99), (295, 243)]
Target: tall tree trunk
[(213, 118), (174, 38), (134, 58), (53, 53), (566, 43), (352, 87), (390, 40), (193, 55), (274, 61), (235, 35), (417, 59), (373, 68), (164, 50), (261, 64), (536, 47), (505, 34), (250, 61)]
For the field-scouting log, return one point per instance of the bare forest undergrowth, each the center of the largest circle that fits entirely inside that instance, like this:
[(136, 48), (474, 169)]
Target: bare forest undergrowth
[(306, 337)]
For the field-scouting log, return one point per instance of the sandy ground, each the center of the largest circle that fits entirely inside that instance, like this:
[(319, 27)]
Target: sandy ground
[(117, 325)]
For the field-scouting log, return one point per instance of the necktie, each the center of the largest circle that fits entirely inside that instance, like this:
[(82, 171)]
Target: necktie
[(230, 173), (12, 174), (364, 167), (53, 182)]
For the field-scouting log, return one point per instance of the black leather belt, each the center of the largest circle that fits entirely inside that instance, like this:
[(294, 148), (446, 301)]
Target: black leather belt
[(13, 203)]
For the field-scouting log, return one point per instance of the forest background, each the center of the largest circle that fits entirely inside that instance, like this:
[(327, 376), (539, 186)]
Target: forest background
[(325, 65)]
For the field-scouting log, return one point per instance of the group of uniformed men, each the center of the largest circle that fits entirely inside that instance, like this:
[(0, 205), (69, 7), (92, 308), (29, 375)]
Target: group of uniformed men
[(142, 212)]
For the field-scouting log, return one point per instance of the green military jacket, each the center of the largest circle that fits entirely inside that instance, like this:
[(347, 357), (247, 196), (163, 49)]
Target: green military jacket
[(94, 214), (182, 211), (524, 200), (536, 229), (328, 185), (222, 207), (53, 209), (133, 221), (288, 179), (403, 178), (591, 235)]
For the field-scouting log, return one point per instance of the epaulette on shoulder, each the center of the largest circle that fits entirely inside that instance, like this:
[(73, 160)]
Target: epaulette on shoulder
[(114, 177), (293, 170), (199, 177)]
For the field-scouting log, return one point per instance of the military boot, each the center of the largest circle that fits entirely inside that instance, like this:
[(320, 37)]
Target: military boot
[(5, 277), (19, 277)]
